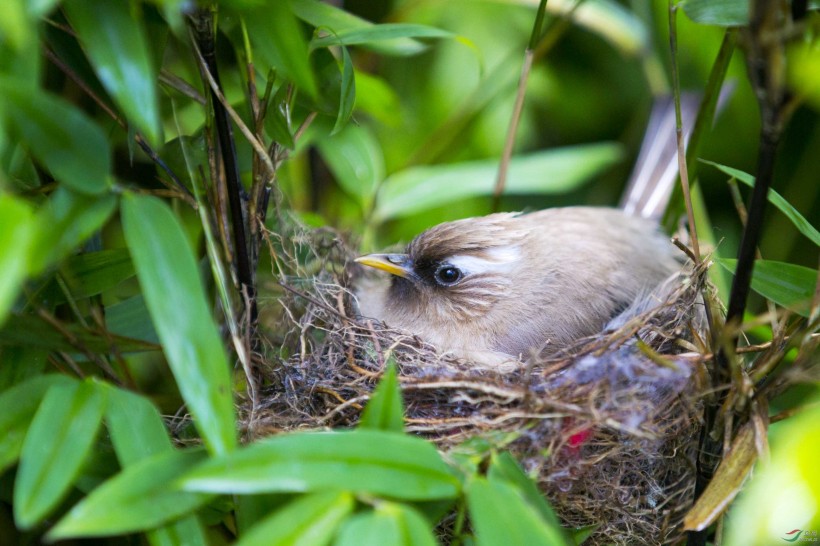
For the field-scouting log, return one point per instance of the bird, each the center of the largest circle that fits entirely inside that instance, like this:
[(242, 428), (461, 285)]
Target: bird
[(512, 285)]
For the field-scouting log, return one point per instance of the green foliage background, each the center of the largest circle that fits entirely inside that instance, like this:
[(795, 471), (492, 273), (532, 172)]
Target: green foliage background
[(383, 119)]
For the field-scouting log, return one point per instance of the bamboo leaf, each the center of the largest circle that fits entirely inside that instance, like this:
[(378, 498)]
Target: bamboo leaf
[(130, 318), (722, 13), (420, 188), (56, 446), (355, 159), (789, 285), (176, 300), (115, 43), (93, 273), (19, 404), (500, 515), (136, 427), (379, 33), (365, 461), (390, 523), (799, 221), (310, 520), (347, 95), (142, 496), (385, 410), (60, 136), (17, 231)]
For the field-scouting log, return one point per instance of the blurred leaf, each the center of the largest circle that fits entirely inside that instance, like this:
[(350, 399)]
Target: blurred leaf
[(389, 523), (310, 520), (38, 8), (784, 494), (348, 92), (355, 159), (16, 235), (385, 410), (278, 39), (116, 46), (19, 404), (500, 515), (93, 273), (176, 299), (55, 448), (791, 286), (187, 531), (799, 221), (379, 33), (65, 221), (136, 427), (35, 331), (60, 136), (377, 99), (140, 497), (504, 468), (15, 27), (320, 14), (803, 65), (723, 13), (726, 483), (553, 171), (130, 318), (366, 461), (276, 122)]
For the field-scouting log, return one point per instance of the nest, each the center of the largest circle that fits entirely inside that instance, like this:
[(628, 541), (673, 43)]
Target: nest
[(608, 427)]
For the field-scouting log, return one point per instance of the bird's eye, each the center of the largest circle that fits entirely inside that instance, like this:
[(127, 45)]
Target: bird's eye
[(448, 275)]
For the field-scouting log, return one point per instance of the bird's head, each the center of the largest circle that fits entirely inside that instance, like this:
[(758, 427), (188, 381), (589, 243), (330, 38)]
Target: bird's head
[(454, 271)]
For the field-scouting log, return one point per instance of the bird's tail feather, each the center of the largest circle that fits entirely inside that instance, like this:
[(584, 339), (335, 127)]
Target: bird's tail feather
[(656, 170)]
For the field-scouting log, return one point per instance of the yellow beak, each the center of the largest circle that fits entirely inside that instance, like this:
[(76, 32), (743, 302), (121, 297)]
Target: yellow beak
[(395, 264)]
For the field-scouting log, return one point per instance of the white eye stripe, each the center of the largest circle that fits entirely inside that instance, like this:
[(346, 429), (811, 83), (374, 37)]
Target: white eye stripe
[(497, 260)]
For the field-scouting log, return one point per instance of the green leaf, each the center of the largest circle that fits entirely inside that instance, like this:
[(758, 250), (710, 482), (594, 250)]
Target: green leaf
[(389, 523), (791, 286), (799, 221), (504, 468), (55, 448), (93, 273), (19, 404), (723, 13), (356, 161), (347, 96), (176, 299), (130, 318), (310, 520), (276, 122), (60, 136), (549, 172), (277, 38), (320, 14), (66, 221), (142, 496), (500, 515), (365, 461), (35, 331), (385, 410), (17, 232), (116, 46), (136, 427), (187, 531), (379, 33)]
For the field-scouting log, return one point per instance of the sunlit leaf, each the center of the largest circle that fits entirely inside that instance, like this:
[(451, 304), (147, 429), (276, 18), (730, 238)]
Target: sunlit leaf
[(500, 515), (552, 171), (65, 222), (176, 299), (60, 136), (140, 497), (116, 46), (17, 231), (366, 461), (309, 521), (355, 159), (784, 494), (19, 404), (799, 221), (389, 523), (385, 410), (803, 65), (789, 285), (56, 445), (379, 33)]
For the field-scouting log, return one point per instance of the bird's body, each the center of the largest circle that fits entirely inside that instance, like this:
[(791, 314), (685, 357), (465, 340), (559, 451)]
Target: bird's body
[(508, 285)]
